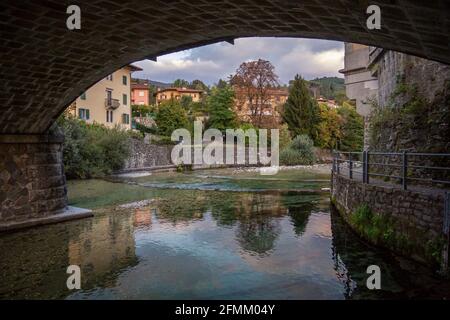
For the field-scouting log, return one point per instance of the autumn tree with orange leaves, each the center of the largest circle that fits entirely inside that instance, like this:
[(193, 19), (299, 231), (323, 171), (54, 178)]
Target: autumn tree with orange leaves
[(252, 84)]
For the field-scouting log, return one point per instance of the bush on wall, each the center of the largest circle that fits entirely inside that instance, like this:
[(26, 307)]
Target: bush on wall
[(92, 150)]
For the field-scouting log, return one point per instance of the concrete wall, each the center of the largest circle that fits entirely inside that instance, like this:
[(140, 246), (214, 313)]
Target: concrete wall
[(32, 180), (360, 85), (417, 218)]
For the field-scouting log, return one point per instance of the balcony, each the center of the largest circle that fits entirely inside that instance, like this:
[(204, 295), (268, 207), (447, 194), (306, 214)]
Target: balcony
[(112, 104)]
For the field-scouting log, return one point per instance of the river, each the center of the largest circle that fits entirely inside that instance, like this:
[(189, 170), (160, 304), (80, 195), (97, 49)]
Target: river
[(209, 234)]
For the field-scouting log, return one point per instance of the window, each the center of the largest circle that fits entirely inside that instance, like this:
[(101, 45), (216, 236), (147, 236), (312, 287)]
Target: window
[(109, 77), (141, 93), (124, 99), (83, 96), (109, 96), (109, 116), (83, 114), (124, 80), (125, 118)]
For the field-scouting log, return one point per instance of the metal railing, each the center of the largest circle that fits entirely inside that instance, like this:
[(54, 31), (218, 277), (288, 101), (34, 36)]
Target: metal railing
[(112, 103), (403, 167)]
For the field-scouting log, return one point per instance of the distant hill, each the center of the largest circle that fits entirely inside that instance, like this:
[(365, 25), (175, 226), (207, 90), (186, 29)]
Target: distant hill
[(330, 87), (159, 84), (153, 83)]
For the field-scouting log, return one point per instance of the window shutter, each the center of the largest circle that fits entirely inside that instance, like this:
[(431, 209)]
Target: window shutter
[(79, 114), (87, 114)]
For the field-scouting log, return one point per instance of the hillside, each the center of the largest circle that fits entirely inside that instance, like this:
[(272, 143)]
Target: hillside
[(330, 87)]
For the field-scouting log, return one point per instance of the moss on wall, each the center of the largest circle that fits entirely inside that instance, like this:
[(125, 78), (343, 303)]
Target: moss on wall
[(389, 232)]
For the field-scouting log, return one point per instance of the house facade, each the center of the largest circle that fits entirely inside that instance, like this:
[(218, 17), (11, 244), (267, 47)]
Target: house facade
[(140, 93), (176, 93), (107, 102), (268, 115)]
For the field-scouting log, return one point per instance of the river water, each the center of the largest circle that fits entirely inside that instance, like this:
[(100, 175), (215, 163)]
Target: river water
[(212, 234)]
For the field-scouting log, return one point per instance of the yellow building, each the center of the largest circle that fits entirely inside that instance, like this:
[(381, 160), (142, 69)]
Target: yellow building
[(266, 115), (108, 101), (176, 93)]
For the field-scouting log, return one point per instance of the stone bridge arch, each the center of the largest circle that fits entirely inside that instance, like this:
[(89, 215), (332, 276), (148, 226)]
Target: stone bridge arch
[(45, 66)]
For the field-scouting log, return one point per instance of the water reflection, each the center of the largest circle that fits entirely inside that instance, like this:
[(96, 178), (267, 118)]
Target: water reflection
[(33, 263), (191, 244)]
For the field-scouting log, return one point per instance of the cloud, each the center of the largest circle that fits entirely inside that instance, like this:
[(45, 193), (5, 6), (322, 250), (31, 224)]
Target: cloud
[(308, 57)]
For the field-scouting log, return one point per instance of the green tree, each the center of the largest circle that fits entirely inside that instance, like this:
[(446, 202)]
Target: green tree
[(221, 114), (221, 84), (138, 110), (181, 83), (301, 112), (329, 127), (171, 116), (352, 129), (198, 85), (186, 102), (285, 137)]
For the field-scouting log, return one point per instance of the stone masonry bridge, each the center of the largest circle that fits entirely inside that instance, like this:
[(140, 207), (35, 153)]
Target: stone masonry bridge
[(45, 66)]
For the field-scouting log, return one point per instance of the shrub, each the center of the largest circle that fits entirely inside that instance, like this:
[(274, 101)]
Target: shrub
[(92, 150), (299, 152), (144, 129), (171, 116)]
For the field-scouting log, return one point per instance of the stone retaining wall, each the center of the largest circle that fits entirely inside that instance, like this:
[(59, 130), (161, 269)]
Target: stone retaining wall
[(416, 217), (32, 180), (145, 155)]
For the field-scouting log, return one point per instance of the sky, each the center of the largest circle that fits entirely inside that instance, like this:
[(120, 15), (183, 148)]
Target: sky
[(310, 58)]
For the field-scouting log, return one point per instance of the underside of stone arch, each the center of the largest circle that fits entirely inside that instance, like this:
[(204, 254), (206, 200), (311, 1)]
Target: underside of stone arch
[(45, 66)]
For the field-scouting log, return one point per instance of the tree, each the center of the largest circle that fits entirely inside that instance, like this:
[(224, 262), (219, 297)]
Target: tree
[(221, 115), (221, 84), (181, 83), (352, 129), (141, 110), (253, 81), (329, 130), (171, 116), (198, 85), (301, 112), (186, 102)]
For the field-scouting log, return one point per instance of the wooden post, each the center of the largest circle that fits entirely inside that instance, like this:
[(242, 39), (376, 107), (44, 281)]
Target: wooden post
[(367, 167)]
